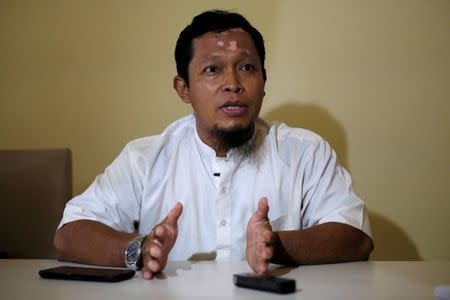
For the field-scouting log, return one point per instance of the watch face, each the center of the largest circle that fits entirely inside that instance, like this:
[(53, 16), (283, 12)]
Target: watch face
[(133, 252)]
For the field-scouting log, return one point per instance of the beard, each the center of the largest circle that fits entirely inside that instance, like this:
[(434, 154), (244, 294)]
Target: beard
[(236, 137)]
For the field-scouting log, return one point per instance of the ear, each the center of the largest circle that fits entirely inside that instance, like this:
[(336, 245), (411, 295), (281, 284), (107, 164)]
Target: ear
[(182, 89)]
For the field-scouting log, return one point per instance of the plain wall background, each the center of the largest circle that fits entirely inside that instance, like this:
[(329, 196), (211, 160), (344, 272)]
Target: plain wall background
[(372, 77)]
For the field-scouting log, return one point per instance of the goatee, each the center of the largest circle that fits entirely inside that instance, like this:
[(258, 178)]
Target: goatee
[(236, 137)]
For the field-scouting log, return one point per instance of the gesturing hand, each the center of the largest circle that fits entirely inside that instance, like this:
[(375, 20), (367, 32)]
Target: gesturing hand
[(159, 242), (260, 239)]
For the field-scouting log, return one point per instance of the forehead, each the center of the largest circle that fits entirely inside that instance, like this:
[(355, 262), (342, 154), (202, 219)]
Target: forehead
[(228, 40)]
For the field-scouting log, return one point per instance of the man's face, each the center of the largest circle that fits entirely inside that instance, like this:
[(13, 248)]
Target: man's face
[(226, 85)]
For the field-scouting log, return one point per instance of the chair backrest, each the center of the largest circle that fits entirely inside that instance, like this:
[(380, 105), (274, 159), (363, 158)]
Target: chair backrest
[(34, 188)]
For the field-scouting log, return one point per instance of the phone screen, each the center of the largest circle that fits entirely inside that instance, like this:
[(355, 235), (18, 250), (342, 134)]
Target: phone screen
[(87, 273)]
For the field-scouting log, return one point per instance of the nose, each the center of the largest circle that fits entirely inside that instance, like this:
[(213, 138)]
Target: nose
[(232, 83)]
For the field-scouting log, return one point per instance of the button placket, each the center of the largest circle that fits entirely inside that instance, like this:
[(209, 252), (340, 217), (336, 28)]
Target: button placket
[(224, 210)]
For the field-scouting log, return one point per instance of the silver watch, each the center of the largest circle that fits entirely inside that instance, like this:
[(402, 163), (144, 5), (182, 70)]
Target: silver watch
[(133, 257)]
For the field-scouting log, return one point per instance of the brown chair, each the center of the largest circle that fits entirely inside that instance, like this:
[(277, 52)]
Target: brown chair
[(34, 188)]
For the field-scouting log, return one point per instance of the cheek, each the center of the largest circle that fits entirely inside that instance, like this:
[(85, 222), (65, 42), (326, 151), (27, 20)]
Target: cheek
[(258, 88), (210, 86), (205, 89), (201, 99)]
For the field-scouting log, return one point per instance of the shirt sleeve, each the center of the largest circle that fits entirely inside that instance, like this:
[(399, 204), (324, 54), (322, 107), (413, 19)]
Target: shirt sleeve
[(328, 192), (113, 198)]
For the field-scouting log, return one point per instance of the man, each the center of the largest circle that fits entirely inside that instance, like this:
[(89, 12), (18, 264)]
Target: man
[(220, 183)]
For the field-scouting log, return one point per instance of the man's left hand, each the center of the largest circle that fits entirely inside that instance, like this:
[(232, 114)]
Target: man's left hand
[(260, 239)]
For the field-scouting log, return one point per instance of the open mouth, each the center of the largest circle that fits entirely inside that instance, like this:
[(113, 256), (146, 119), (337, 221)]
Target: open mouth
[(234, 108)]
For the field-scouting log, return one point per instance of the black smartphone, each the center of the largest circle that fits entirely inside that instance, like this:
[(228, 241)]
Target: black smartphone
[(87, 274), (265, 283)]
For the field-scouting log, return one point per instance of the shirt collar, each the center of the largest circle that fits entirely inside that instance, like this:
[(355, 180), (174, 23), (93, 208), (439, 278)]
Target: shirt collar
[(203, 149)]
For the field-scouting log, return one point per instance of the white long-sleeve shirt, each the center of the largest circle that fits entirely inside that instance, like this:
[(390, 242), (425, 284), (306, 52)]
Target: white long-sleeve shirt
[(294, 168)]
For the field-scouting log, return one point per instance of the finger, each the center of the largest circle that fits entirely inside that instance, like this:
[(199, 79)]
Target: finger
[(174, 214), (153, 257), (158, 259), (262, 211), (159, 234), (154, 265), (264, 236), (262, 259), (156, 251), (262, 268), (146, 273), (264, 253), (154, 247)]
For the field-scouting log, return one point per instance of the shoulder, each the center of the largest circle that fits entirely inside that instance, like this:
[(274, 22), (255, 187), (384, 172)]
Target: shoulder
[(151, 146), (291, 140)]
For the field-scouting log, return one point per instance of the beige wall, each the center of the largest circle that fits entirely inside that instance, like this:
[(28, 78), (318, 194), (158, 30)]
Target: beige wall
[(373, 77)]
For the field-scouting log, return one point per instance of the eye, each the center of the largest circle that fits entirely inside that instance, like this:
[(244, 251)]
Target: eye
[(211, 69), (248, 67)]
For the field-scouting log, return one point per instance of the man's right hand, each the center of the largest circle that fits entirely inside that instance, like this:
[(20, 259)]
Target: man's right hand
[(159, 242)]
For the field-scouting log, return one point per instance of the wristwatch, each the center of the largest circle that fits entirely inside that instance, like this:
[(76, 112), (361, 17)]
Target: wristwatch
[(133, 257)]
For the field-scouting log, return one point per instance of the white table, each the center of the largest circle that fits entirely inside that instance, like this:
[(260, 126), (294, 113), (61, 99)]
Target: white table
[(19, 279)]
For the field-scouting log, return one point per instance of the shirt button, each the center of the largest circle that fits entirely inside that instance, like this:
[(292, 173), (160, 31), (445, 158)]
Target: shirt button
[(224, 190), (223, 222)]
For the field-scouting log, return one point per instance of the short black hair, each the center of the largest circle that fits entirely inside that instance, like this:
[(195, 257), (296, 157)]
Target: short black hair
[(215, 21)]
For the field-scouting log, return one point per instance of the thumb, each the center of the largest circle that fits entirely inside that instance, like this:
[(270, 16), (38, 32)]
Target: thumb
[(174, 214), (262, 211)]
